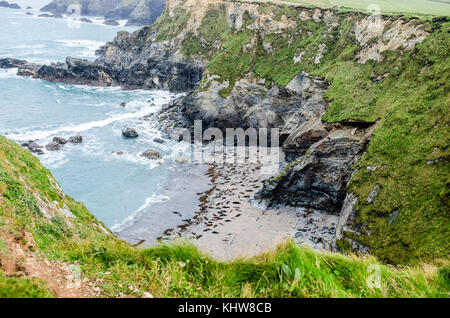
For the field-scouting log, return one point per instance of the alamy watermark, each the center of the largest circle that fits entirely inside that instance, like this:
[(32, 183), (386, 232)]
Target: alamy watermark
[(232, 146)]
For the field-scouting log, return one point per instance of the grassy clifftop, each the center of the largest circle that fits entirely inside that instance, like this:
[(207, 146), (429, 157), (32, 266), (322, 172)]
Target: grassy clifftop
[(38, 219), (413, 7)]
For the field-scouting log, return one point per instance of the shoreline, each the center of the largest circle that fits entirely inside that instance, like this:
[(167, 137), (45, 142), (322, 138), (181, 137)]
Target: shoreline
[(211, 206)]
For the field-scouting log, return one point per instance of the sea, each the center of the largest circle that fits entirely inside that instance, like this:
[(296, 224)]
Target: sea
[(106, 172)]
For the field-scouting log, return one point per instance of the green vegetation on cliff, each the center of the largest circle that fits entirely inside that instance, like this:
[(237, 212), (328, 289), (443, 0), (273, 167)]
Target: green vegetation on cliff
[(177, 271), (406, 91)]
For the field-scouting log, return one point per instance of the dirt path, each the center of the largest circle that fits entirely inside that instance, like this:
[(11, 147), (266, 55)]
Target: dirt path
[(20, 259)]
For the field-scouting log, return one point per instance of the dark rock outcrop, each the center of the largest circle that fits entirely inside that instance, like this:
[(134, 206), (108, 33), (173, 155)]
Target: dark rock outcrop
[(76, 71), (33, 147), (137, 60), (319, 179), (130, 133), (132, 61), (251, 104)]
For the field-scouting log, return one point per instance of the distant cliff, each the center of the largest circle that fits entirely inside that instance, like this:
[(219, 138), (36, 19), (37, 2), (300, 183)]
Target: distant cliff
[(137, 12)]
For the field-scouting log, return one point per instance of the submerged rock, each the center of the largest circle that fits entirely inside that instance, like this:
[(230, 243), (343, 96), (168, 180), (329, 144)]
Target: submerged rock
[(152, 154), (130, 133)]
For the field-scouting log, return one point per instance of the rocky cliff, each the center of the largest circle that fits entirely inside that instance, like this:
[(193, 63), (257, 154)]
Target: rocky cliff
[(332, 82), (361, 102), (137, 12)]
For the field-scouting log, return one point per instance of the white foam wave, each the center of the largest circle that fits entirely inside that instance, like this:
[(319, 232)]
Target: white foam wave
[(54, 160), (8, 72), (130, 219), (42, 134), (89, 46), (27, 47)]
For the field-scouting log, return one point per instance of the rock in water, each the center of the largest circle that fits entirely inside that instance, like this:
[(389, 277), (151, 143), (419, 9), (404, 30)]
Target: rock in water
[(152, 154), (60, 140), (130, 133), (53, 146), (123, 104), (33, 147), (77, 139), (111, 22), (158, 140)]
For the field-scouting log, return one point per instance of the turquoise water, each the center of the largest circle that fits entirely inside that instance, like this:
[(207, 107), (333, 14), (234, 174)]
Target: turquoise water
[(114, 187)]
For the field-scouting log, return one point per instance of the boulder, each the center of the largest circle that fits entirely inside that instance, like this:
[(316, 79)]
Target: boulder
[(77, 139), (26, 72), (60, 140), (152, 154), (130, 133), (53, 146)]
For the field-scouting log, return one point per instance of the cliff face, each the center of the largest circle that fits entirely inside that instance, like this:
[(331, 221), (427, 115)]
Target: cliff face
[(331, 81), (137, 12)]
